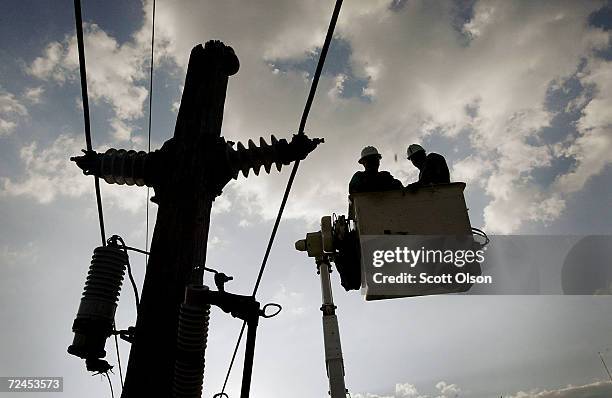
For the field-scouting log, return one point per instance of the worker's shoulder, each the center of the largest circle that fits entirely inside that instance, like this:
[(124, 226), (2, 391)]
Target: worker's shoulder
[(358, 176), (435, 156), (384, 173)]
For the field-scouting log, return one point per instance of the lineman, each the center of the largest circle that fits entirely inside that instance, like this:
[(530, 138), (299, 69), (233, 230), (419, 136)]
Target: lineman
[(432, 167), (372, 180)]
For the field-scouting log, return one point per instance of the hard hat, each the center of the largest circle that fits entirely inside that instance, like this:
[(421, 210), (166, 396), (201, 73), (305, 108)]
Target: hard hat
[(369, 151), (412, 149)]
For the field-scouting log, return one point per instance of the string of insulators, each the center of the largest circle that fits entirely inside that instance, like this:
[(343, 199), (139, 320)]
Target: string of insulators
[(192, 337), (94, 320), (278, 153)]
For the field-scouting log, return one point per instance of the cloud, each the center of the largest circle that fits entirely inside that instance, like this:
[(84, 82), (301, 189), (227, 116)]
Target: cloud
[(34, 94), (504, 73), (408, 390), (592, 149), (424, 81), (116, 73), (48, 172), (471, 169), (483, 85), (11, 112), (447, 390), (221, 205), (600, 389), (368, 395)]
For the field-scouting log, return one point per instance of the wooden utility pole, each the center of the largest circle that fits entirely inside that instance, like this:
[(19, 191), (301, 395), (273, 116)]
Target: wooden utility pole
[(181, 231), (188, 172)]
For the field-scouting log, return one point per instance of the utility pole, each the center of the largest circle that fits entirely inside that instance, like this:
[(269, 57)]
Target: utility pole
[(187, 173)]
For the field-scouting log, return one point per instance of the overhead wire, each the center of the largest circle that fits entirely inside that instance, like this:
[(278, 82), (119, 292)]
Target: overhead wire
[(118, 356), (110, 384), (81, 47), (305, 113), (149, 138)]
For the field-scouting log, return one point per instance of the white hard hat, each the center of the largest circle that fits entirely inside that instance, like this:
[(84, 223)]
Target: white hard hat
[(412, 149), (369, 151)]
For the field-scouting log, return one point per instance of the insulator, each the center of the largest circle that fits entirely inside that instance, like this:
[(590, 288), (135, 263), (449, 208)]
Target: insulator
[(192, 337), (118, 166), (279, 152), (96, 313)]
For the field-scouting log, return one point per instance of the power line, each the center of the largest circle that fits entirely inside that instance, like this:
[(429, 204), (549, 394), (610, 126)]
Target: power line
[(311, 94), (110, 384), (79, 31), (118, 355), (150, 114)]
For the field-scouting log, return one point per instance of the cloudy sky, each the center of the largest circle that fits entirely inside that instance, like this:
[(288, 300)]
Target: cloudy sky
[(516, 95)]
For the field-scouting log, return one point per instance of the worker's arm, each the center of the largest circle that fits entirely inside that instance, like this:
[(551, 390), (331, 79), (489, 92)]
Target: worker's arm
[(388, 182), (355, 183)]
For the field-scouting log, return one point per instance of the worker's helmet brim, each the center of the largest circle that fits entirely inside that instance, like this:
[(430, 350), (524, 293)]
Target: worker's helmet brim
[(363, 159), (414, 153)]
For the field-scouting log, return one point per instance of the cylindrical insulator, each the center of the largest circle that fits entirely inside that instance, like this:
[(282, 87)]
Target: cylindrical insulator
[(191, 345), (118, 166), (254, 157), (96, 313), (279, 152)]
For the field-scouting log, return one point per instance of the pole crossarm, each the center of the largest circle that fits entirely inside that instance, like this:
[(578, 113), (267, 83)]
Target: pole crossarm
[(130, 167)]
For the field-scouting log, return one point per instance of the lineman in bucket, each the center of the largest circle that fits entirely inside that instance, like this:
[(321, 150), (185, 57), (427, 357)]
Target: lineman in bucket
[(432, 167), (372, 180)]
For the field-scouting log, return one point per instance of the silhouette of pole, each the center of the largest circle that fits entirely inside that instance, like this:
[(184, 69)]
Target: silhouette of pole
[(187, 173), (181, 230)]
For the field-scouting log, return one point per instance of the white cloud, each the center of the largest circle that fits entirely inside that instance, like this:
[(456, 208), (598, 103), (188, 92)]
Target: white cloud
[(368, 395), (34, 94), (53, 63), (600, 389), (516, 52), (447, 390), (11, 112), (222, 204), (470, 169), (408, 390), (116, 73), (592, 149), (338, 88), (421, 78), (48, 172)]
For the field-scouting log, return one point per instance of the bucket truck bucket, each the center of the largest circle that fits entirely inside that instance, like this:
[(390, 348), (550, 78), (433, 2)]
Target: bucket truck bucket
[(432, 218)]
